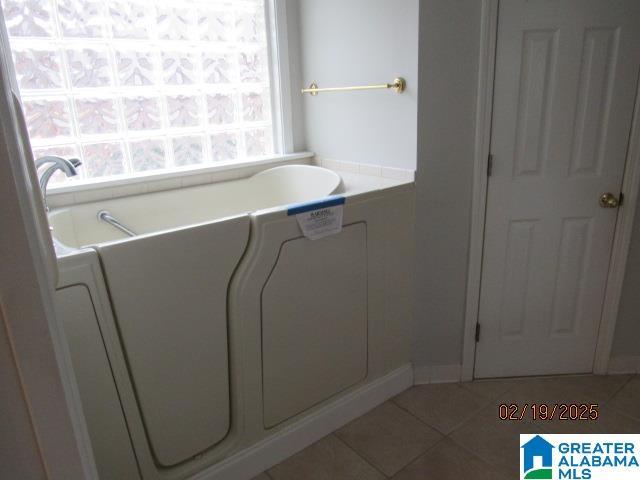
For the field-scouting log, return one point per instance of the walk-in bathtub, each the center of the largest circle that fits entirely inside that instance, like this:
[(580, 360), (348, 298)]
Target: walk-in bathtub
[(218, 339), (79, 225)]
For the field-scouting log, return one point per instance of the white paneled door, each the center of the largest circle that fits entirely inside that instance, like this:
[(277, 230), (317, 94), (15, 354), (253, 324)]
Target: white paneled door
[(565, 85)]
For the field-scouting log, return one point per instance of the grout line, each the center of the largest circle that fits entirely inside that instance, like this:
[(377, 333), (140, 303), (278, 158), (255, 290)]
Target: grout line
[(498, 469), (333, 434), (624, 414), (430, 447), (496, 397), (457, 427), (472, 417), (474, 454), (428, 450), (417, 418), (620, 389), (618, 410)]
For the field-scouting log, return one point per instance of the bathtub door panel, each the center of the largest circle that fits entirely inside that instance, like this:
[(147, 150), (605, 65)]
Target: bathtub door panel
[(169, 294), (314, 322)]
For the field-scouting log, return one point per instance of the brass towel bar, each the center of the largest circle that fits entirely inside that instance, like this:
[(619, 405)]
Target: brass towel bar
[(398, 84)]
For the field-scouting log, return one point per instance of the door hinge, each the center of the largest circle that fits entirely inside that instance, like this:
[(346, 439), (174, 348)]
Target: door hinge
[(477, 332), (621, 199), (489, 165)]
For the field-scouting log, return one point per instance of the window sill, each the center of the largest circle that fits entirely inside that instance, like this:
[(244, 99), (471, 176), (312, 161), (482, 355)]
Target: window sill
[(90, 191)]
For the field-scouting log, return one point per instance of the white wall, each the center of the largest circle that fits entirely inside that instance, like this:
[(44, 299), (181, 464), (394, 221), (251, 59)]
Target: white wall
[(627, 338), (359, 42), (19, 455), (449, 47), (292, 9)]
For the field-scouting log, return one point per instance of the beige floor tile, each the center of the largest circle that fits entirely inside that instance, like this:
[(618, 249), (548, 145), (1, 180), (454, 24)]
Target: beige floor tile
[(448, 461), (569, 389), (493, 440), (443, 406), (262, 476), (491, 389), (328, 459), (388, 437), (612, 421), (567, 426), (627, 400)]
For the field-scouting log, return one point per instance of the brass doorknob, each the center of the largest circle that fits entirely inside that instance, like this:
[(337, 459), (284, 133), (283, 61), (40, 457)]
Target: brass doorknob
[(608, 200)]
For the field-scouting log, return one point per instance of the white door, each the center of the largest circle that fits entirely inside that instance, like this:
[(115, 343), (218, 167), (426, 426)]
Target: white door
[(565, 84)]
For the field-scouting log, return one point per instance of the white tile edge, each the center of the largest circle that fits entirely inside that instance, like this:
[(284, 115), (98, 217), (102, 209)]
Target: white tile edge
[(622, 365), (367, 169), (74, 194), (269, 452), (427, 374)]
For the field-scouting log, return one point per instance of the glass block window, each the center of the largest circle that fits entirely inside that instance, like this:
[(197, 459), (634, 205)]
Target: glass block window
[(137, 86)]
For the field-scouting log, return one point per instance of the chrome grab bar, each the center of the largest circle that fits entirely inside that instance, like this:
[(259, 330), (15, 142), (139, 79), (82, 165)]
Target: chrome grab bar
[(106, 217)]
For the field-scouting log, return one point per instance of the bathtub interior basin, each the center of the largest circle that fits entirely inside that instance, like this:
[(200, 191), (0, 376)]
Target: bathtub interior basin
[(78, 225)]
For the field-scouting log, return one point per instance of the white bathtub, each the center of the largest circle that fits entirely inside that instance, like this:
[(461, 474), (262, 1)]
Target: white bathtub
[(78, 226), (220, 333)]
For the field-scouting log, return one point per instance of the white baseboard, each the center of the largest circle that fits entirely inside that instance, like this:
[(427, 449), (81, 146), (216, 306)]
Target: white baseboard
[(250, 462), (620, 365), (437, 374)]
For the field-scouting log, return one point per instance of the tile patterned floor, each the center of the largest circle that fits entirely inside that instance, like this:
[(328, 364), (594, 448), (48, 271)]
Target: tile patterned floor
[(452, 431)]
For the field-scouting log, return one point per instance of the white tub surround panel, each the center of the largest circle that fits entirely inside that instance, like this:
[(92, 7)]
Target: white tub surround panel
[(248, 463), (82, 309), (314, 333), (82, 267), (387, 216), (187, 345), (111, 443)]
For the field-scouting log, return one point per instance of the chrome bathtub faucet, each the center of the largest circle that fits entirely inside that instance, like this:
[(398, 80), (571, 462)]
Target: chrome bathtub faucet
[(58, 163)]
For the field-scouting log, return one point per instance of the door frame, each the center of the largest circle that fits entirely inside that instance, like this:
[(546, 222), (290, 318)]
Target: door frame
[(38, 352), (624, 223)]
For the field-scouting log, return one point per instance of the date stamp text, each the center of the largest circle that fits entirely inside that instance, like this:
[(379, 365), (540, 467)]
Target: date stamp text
[(543, 411)]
